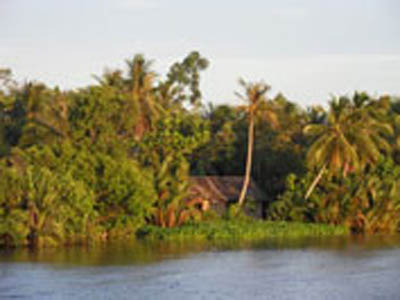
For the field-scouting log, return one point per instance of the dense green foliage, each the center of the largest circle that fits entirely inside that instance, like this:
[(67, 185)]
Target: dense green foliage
[(116, 156), (102, 161), (354, 152), (368, 202)]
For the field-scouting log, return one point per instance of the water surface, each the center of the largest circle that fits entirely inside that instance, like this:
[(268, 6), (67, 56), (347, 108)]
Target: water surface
[(335, 268)]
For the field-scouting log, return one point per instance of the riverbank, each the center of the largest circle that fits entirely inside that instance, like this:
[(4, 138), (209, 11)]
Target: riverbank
[(219, 230), (241, 230)]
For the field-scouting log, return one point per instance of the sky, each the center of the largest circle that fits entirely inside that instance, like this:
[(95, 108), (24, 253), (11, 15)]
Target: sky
[(310, 50)]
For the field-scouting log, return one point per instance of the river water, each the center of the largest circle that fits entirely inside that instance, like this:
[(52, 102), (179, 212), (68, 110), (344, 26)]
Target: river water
[(339, 268)]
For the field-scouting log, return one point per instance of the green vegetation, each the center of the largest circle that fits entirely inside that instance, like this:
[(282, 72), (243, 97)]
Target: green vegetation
[(354, 162), (114, 159), (254, 230)]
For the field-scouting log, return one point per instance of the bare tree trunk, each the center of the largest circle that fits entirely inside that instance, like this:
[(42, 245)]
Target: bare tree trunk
[(315, 182), (248, 162)]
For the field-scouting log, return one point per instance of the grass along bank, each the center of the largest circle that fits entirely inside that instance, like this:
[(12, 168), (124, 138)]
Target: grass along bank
[(241, 230)]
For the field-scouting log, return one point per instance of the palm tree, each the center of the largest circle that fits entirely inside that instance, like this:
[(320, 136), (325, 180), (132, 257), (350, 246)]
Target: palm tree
[(350, 138), (254, 96), (140, 85), (38, 113)]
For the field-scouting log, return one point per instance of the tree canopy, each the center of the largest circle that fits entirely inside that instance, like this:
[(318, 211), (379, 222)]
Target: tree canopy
[(101, 161)]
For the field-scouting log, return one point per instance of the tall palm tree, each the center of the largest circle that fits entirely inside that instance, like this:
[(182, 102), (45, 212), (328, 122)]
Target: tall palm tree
[(350, 138), (140, 83), (254, 96)]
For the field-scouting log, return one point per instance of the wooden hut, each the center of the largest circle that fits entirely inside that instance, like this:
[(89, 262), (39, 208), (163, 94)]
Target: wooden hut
[(221, 191)]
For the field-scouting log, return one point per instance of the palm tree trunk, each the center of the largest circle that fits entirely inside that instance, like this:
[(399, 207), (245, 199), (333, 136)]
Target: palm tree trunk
[(315, 182), (248, 162)]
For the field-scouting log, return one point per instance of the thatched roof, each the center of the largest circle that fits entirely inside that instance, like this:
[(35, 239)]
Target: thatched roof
[(223, 189)]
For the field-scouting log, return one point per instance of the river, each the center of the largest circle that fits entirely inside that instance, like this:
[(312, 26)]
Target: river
[(334, 268)]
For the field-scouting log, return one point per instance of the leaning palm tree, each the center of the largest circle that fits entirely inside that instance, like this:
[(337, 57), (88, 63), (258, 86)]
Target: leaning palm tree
[(350, 138), (254, 96)]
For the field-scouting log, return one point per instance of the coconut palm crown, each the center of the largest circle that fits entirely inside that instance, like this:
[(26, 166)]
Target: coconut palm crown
[(353, 135)]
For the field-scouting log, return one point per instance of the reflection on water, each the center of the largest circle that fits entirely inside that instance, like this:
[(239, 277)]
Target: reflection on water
[(333, 268), (146, 252)]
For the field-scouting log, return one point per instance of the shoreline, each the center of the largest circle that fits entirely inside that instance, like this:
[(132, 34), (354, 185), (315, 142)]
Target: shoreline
[(254, 230)]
